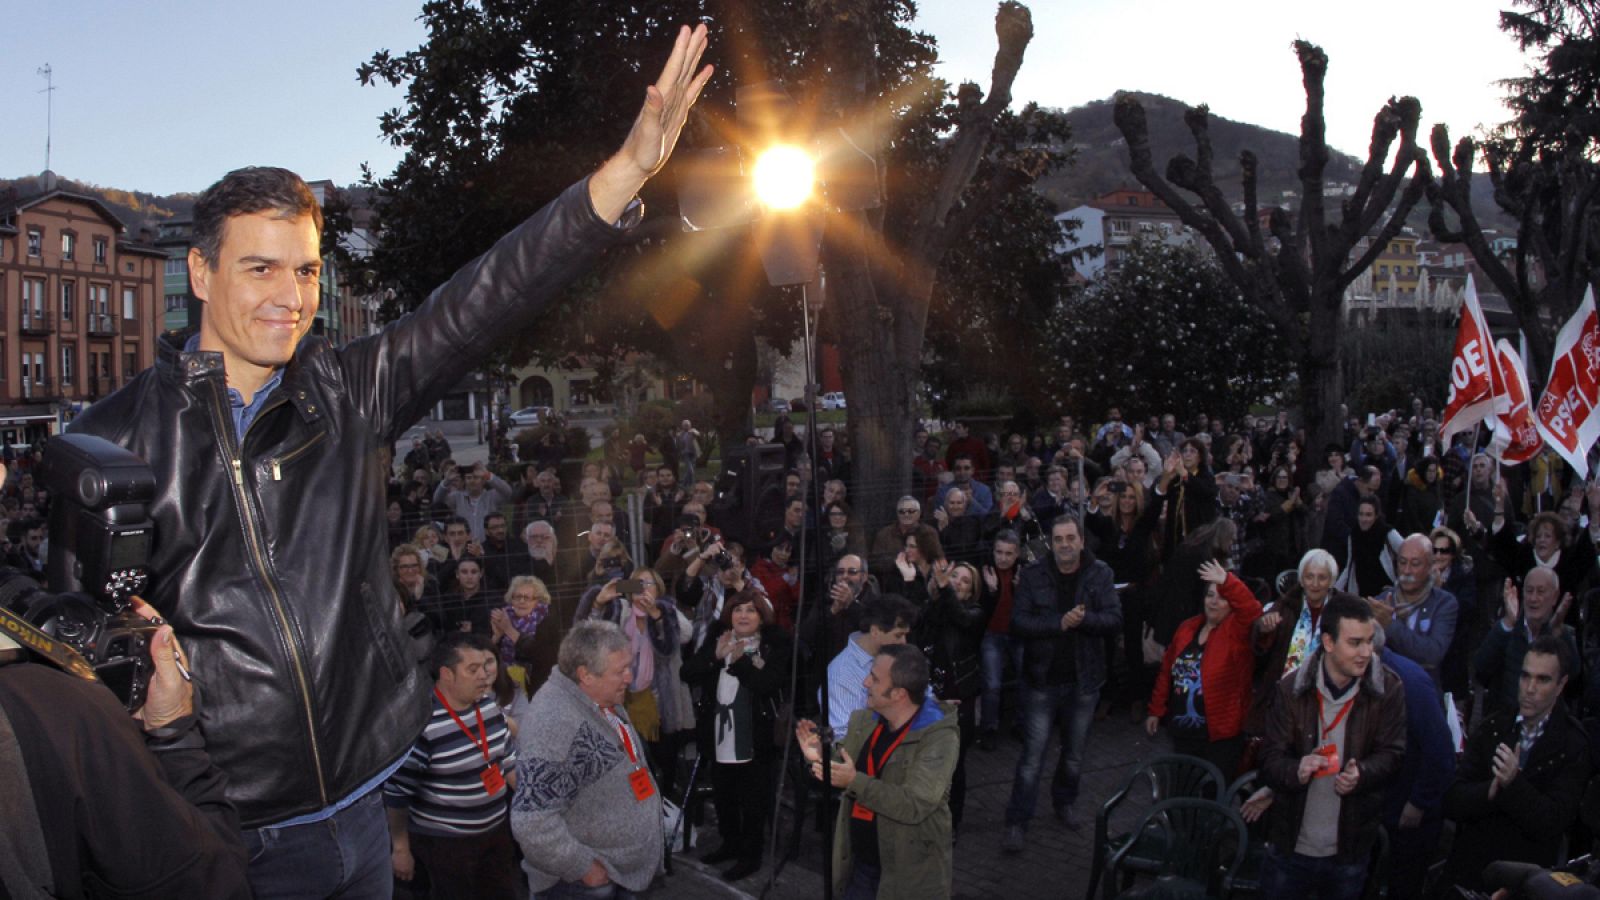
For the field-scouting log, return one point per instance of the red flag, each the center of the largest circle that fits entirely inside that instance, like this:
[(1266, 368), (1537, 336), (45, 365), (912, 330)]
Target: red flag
[(1516, 435), (1566, 413), (1477, 389)]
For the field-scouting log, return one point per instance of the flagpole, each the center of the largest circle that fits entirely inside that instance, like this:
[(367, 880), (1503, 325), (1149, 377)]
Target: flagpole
[(1466, 506)]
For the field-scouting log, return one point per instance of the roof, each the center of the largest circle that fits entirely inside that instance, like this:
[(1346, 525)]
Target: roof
[(94, 203)]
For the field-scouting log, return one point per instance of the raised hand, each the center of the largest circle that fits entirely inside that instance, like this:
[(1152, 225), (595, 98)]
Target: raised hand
[(1511, 603), (1211, 571), (655, 131)]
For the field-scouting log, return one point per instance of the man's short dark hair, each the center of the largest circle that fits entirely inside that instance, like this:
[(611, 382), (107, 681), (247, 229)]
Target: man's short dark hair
[(457, 520), (1338, 608), (492, 516), (19, 528), (447, 652), (1066, 519), (959, 457), (1554, 645), (1007, 536), (887, 612), (241, 192), (908, 670)]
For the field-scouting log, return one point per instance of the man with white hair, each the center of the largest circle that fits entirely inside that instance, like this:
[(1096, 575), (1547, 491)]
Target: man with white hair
[(1418, 618), (586, 809), (1498, 663)]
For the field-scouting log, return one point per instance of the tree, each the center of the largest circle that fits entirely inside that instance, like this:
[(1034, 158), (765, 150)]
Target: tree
[(941, 175), (1167, 331), (507, 103), (991, 305), (1296, 269), (1542, 170)]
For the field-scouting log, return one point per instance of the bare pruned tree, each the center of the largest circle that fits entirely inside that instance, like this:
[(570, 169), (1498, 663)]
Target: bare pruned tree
[(1297, 268), (882, 266)]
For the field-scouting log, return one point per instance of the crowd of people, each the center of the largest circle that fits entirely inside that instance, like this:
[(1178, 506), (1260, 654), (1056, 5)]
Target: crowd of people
[(1197, 580)]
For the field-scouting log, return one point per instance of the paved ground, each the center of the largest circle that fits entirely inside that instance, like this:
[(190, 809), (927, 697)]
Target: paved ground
[(1056, 863)]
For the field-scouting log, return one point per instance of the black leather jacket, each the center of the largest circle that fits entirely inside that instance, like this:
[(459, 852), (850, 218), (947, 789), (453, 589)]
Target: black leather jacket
[(270, 555)]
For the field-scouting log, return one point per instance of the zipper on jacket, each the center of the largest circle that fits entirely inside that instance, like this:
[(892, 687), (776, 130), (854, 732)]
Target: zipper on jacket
[(292, 455), (234, 447)]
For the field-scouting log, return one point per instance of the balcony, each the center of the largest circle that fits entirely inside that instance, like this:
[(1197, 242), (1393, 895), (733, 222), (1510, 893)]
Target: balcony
[(35, 322), (36, 388), (102, 325), (101, 385)]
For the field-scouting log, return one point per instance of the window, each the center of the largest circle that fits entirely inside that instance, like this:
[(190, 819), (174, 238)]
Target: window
[(100, 251), (177, 265), (2, 359), (32, 373), (130, 303), (69, 245), (69, 293), (1119, 226), (130, 362), (35, 241), (69, 356), (176, 302), (100, 299), (32, 297)]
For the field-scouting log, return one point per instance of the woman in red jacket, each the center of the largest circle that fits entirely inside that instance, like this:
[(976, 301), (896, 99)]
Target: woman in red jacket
[(1203, 685)]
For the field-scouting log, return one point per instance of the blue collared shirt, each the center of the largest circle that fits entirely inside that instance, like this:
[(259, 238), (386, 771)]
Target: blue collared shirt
[(243, 413)]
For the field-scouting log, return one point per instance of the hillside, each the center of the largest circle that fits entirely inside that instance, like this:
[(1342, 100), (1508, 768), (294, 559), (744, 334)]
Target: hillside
[(136, 209), (1102, 156), (1101, 163)]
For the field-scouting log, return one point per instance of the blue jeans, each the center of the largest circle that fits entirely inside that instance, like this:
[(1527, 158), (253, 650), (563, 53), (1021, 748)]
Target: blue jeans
[(1291, 876), (997, 647), (346, 856), (863, 884), (1072, 711)]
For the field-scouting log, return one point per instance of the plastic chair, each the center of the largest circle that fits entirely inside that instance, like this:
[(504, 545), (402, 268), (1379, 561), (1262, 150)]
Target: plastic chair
[(1170, 775), (1247, 880), (1196, 835)]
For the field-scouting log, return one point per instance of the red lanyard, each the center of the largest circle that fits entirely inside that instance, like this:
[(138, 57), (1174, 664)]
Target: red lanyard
[(1339, 717), (874, 765), (482, 740), (627, 742)]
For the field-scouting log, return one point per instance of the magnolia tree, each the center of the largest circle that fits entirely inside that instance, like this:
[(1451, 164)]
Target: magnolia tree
[(1167, 331)]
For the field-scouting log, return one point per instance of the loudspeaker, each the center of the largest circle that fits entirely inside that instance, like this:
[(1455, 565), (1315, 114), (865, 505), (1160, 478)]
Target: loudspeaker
[(749, 490)]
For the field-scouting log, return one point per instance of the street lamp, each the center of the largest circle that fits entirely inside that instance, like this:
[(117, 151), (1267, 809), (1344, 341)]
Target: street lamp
[(795, 182), (784, 177)]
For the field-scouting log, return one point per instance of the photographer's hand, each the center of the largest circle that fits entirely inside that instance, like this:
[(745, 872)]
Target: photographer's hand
[(171, 695)]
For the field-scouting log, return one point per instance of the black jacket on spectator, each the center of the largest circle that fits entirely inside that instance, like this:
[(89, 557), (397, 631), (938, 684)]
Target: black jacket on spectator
[(1525, 820), (1050, 655)]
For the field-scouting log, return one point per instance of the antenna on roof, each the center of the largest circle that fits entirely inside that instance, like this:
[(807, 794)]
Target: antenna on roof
[(49, 110)]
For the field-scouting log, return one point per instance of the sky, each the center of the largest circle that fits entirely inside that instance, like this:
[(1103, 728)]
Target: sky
[(167, 95)]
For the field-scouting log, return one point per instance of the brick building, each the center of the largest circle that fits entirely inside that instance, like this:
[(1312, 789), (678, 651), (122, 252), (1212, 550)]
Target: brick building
[(79, 308)]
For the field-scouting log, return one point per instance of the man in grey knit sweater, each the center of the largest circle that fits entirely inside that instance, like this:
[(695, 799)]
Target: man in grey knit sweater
[(586, 810)]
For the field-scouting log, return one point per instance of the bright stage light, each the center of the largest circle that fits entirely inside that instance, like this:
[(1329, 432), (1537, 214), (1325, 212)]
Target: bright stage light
[(784, 177)]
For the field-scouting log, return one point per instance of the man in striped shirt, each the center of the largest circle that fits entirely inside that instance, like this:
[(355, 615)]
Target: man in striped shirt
[(447, 802)]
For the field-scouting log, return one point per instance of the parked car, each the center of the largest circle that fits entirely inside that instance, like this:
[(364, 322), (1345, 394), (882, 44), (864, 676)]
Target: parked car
[(780, 405), (833, 400), (529, 416)]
